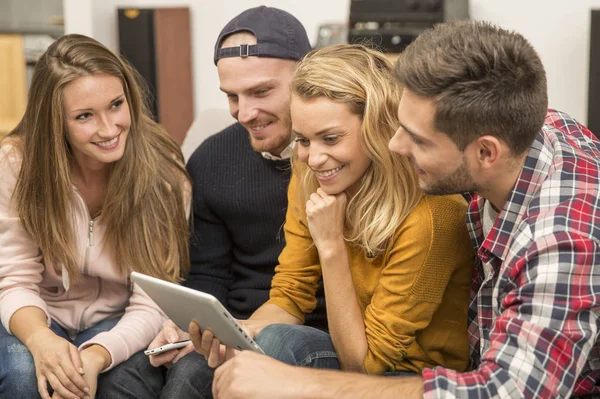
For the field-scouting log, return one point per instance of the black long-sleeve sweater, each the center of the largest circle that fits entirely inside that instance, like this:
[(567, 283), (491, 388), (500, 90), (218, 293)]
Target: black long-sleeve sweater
[(240, 201)]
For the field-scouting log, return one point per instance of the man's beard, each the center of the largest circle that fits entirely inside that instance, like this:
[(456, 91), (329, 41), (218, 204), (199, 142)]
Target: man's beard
[(457, 182), (272, 144), (276, 142)]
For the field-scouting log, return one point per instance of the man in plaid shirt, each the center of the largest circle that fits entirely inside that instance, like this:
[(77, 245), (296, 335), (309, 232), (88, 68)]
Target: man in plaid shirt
[(535, 294), (474, 118)]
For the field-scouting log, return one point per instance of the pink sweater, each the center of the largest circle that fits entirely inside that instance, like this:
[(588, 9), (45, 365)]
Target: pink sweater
[(27, 280)]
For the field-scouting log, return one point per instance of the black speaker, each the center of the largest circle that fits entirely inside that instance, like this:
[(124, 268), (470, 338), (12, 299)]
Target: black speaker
[(157, 42), (594, 86), (394, 24), (136, 41), (390, 40)]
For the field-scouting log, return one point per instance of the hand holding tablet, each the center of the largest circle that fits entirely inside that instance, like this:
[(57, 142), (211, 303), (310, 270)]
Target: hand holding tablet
[(184, 305)]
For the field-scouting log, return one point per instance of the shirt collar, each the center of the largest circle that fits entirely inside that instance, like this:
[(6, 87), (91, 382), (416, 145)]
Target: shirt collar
[(534, 173), (285, 154)]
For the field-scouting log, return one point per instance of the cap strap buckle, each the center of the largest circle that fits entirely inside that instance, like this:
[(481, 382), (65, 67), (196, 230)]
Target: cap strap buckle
[(244, 50)]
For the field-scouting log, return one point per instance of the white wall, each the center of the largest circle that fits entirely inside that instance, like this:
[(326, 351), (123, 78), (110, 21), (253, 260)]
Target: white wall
[(558, 29), (208, 18)]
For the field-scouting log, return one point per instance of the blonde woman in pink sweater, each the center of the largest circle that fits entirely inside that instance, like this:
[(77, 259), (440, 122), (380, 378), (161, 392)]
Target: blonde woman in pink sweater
[(91, 188)]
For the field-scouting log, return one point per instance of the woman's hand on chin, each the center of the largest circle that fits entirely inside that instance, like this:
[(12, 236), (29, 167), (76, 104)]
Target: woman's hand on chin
[(325, 215)]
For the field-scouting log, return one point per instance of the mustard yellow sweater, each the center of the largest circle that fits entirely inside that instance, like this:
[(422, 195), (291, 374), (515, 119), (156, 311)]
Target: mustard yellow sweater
[(413, 298)]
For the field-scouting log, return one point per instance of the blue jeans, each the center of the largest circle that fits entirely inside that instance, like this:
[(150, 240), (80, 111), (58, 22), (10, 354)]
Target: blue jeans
[(190, 377), (298, 346), (134, 378), (17, 368)]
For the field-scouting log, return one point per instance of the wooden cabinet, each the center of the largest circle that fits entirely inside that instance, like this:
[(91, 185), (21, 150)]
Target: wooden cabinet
[(13, 84)]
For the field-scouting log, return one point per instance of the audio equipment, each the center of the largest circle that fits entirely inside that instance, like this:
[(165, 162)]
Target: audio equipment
[(393, 24), (157, 43)]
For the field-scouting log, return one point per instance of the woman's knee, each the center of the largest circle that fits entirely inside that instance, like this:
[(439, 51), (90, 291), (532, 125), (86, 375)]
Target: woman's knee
[(192, 366), (17, 372), (190, 377), (298, 345), (134, 378)]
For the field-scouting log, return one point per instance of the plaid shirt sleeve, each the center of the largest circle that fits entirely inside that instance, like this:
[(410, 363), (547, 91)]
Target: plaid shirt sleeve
[(545, 328)]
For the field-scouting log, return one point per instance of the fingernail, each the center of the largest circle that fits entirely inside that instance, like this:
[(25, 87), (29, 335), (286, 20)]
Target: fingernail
[(81, 370), (86, 390)]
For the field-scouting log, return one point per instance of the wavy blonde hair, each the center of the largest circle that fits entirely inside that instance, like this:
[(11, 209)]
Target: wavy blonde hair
[(143, 211), (361, 78)]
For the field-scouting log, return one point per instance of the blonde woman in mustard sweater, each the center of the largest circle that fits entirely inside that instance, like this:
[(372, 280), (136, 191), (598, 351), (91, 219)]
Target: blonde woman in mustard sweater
[(396, 264)]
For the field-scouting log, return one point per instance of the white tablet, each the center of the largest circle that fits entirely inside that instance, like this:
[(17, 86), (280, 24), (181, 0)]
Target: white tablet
[(183, 305)]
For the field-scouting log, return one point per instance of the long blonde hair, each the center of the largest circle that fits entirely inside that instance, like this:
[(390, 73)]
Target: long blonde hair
[(143, 211), (362, 79)]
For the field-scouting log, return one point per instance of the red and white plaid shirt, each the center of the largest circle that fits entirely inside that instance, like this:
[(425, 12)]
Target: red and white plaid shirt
[(534, 321)]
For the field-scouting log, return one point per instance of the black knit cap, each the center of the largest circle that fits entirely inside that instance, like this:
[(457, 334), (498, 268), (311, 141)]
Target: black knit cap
[(278, 35)]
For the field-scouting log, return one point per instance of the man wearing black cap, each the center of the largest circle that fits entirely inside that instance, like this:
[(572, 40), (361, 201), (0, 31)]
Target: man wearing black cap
[(240, 178)]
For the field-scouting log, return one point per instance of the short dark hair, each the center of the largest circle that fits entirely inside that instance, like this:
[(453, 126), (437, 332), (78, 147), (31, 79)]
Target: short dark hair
[(484, 80)]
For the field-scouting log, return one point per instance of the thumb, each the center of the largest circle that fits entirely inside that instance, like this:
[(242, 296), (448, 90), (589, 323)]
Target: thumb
[(171, 334)]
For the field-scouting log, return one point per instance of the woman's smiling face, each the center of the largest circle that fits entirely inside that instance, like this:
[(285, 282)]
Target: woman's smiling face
[(328, 140), (97, 119)]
